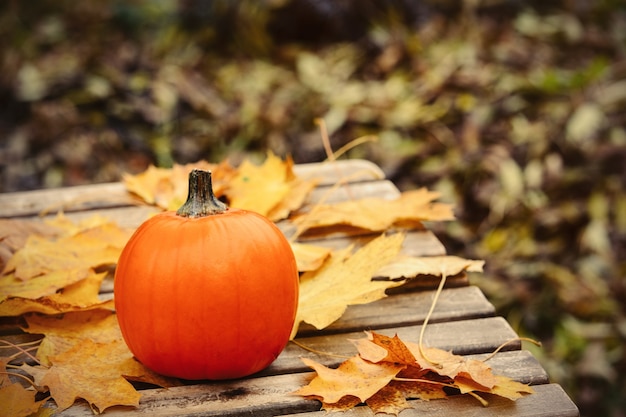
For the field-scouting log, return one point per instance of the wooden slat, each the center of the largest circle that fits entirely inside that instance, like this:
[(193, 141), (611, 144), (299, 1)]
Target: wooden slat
[(410, 309), (272, 395), (349, 170), (463, 337), (548, 401), (110, 195)]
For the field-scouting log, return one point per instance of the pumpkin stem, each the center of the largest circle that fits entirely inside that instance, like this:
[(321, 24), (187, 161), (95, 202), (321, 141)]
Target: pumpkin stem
[(201, 200)]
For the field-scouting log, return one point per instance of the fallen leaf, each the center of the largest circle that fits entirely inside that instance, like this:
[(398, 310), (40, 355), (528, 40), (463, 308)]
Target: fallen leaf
[(404, 267), (167, 188), (453, 366), (376, 214), (83, 355), (417, 373), (345, 279), (270, 189), (92, 371), (77, 296), (88, 248), (354, 377), (309, 257)]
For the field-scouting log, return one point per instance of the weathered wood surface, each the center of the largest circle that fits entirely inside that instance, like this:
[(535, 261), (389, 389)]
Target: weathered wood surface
[(463, 320), (112, 195), (272, 395), (548, 401)]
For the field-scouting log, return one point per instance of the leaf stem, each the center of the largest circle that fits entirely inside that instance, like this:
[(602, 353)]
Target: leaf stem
[(524, 339), (20, 348), (430, 312)]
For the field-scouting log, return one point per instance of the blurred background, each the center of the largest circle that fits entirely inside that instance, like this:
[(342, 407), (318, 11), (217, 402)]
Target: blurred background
[(514, 110)]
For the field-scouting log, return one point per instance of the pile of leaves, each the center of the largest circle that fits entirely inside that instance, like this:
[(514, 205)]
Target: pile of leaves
[(53, 271), (386, 371), (513, 110)]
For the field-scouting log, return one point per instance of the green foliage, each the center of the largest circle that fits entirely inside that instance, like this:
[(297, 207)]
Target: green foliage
[(515, 113)]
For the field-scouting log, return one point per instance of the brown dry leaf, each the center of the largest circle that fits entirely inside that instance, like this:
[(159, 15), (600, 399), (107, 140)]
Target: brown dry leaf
[(354, 377), (377, 214), (404, 267), (421, 373), (309, 257), (167, 188), (18, 401), (453, 366), (389, 400), (270, 189), (345, 279)]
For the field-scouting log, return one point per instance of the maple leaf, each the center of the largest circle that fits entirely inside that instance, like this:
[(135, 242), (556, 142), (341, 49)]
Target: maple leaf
[(167, 188), (92, 371), (376, 214), (55, 274), (345, 279), (84, 356), (270, 189), (355, 377), (83, 250)]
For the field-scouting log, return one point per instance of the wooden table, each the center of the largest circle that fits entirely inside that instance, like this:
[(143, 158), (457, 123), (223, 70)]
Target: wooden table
[(464, 321)]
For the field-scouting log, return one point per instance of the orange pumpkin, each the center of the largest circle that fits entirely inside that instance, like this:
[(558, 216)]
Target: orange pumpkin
[(207, 292)]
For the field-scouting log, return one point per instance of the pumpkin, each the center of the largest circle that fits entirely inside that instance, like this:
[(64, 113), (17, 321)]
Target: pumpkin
[(208, 291)]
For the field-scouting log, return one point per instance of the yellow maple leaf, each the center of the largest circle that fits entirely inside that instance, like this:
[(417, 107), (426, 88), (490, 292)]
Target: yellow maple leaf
[(92, 371), (376, 214), (62, 333), (345, 279), (271, 189), (83, 355), (79, 252), (167, 187)]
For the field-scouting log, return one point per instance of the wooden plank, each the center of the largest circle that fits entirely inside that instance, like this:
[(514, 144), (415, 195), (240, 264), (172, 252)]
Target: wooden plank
[(348, 170), (110, 195), (409, 309), (462, 337), (548, 401), (268, 396)]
